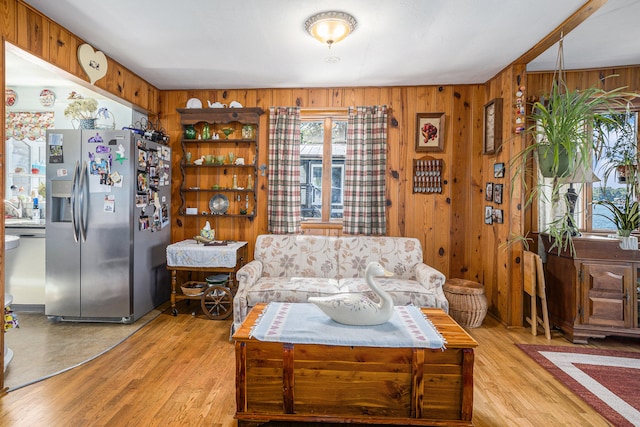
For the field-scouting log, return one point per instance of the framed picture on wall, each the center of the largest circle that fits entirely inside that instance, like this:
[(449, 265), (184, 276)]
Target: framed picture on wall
[(497, 193), (430, 132), (497, 216), (498, 170), (488, 215), (492, 126), (488, 192)]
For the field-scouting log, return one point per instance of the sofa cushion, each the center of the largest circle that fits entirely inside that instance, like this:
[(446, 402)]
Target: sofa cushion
[(297, 256), (402, 291), (397, 254), (290, 289)]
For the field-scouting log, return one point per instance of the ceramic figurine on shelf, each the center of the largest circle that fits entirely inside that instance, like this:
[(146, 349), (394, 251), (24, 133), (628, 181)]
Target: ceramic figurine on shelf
[(216, 104), (357, 309), (207, 232)]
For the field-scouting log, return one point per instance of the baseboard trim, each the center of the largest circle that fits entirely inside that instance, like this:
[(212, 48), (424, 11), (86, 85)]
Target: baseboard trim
[(31, 308)]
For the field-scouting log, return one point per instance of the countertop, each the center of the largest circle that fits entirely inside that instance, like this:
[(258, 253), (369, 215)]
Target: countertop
[(24, 223)]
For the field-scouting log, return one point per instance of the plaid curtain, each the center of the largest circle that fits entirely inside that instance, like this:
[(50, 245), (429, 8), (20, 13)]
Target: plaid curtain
[(365, 169), (284, 170)]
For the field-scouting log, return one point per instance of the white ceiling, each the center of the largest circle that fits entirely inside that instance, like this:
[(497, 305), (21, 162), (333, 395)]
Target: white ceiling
[(221, 44)]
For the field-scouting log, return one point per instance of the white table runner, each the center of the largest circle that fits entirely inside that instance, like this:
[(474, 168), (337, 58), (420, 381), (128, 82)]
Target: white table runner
[(188, 253)]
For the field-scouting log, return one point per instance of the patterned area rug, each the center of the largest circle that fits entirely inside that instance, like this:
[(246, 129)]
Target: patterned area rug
[(609, 381)]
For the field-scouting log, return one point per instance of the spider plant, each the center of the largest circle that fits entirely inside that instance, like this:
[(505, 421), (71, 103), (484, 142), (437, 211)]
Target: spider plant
[(626, 217), (562, 145)]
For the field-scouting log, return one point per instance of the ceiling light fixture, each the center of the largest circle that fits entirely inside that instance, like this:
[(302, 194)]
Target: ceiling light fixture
[(330, 27)]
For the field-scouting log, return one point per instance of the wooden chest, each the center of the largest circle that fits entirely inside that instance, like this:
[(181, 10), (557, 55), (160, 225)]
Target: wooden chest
[(342, 384)]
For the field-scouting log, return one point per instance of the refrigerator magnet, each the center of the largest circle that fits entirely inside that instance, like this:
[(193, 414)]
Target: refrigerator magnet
[(142, 182), (116, 178), (55, 154), (143, 222), (109, 204), (142, 160), (164, 215), (141, 200), (120, 154), (96, 138)]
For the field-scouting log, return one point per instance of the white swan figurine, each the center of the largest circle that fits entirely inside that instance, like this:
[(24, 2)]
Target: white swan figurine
[(357, 309), (199, 161)]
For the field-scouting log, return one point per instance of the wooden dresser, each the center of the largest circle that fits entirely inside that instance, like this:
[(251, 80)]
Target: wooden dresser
[(593, 293)]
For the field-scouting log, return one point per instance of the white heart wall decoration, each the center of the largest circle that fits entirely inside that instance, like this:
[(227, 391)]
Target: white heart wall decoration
[(93, 63)]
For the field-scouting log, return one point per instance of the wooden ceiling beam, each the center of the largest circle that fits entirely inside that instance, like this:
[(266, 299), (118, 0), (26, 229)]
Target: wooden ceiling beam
[(578, 17)]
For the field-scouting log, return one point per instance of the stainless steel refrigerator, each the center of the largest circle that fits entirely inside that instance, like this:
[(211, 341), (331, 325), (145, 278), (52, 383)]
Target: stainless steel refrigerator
[(107, 225)]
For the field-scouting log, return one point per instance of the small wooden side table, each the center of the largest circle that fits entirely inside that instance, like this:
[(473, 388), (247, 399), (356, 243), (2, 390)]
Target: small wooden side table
[(189, 255)]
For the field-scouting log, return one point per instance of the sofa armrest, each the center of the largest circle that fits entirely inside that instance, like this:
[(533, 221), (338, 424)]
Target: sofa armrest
[(434, 280), (247, 277), (249, 274)]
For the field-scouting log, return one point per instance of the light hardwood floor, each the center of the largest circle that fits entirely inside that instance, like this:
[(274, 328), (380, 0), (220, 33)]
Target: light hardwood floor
[(180, 371)]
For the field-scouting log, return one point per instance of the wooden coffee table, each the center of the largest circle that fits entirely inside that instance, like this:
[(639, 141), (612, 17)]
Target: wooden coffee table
[(367, 385)]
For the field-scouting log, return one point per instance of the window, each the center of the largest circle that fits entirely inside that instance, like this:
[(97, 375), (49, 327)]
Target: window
[(323, 141), (613, 181), (618, 153)]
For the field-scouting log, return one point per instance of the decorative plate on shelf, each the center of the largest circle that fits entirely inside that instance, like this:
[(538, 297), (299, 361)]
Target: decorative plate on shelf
[(219, 204), (194, 103)]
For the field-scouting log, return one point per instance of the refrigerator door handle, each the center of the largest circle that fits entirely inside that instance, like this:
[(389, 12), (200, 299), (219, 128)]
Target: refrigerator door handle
[(81, 211), (74, 189)]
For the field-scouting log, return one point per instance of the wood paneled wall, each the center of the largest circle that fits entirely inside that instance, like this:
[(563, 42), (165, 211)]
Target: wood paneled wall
[(501, 267), (449, 225), (605, 78)]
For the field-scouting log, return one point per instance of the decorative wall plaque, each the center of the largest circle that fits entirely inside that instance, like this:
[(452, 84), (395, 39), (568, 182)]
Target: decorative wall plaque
[(93, 62)]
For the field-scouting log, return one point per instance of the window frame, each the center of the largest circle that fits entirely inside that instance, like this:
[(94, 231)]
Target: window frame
[(584, 207), (327, 116)]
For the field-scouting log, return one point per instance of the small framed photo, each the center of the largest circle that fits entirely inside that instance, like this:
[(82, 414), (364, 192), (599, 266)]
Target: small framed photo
[(498, 170), (492, 126), (430, 132), (497, 193), (488, 215), (497, 216), (488, 192)]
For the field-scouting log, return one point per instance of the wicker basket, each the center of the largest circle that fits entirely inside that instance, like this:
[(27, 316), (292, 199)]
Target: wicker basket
[(193, 289), (467, 302)]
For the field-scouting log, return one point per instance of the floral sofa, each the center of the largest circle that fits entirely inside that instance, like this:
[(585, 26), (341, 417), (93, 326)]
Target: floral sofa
[(292, 268)]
